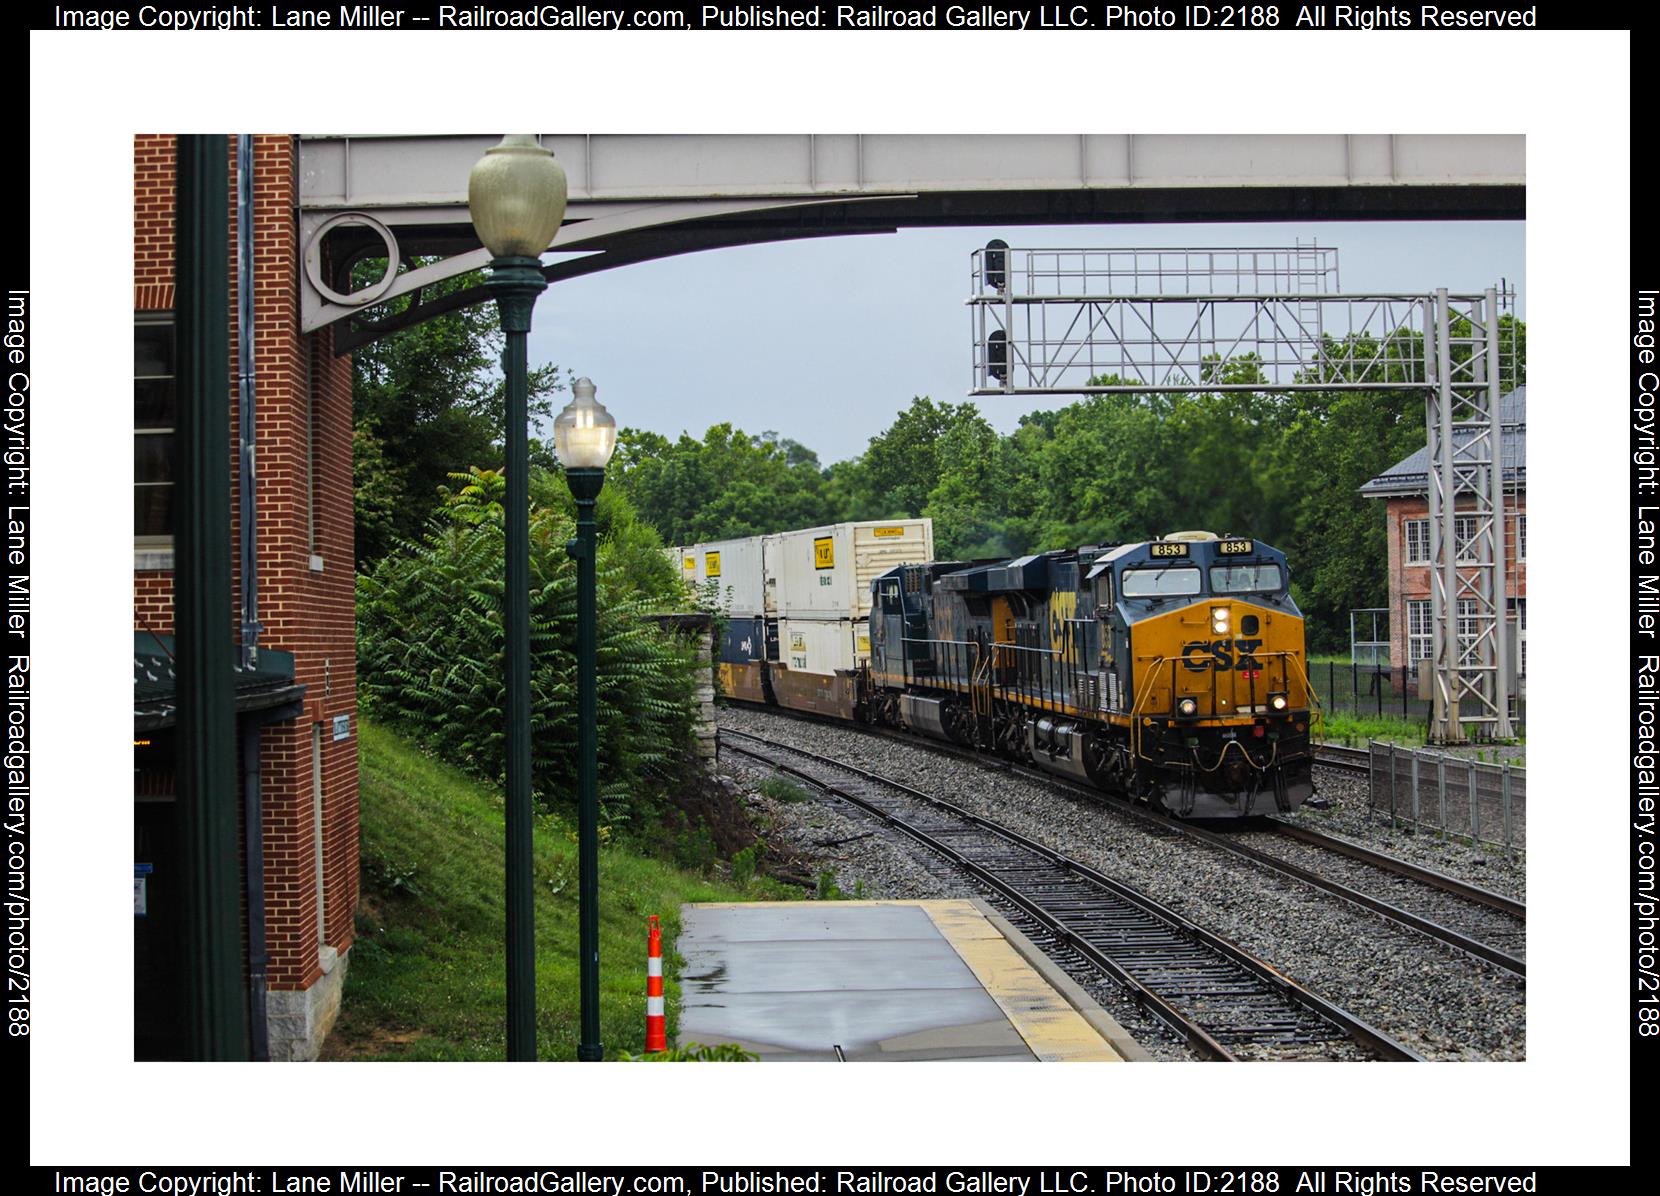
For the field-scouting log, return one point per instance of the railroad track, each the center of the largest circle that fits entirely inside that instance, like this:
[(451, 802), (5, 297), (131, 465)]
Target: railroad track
[(1355, 761), (1222, 1001), (1476, 921)]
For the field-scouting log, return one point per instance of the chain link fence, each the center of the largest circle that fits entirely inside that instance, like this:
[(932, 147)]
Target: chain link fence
[(1466, 799)]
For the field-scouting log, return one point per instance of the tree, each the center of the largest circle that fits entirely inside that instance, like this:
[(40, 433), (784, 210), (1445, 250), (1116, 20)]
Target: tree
[(902, 464), (431, 651), (969, 502), (728, 484), (427, 401)]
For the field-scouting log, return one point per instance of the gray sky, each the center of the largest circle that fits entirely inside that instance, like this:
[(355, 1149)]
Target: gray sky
[(824, 341)]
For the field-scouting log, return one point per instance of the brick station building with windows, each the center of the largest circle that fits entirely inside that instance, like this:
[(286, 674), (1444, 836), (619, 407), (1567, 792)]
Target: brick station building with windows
[(296, 698), (1404, 490)]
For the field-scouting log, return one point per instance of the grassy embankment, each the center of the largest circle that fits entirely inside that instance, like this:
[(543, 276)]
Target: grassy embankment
[(427, 972)]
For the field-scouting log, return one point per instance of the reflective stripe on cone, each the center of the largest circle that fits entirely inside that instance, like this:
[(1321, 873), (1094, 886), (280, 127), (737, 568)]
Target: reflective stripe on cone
[(656, 1030)]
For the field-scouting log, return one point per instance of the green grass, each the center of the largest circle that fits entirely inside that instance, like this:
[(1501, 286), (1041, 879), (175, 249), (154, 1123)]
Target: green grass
[(1353, 730), (783, 789), (427, 978)]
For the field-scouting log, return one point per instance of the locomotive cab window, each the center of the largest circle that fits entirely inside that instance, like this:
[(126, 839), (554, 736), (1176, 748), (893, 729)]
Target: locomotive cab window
[(1165, 582), (1245, 579)]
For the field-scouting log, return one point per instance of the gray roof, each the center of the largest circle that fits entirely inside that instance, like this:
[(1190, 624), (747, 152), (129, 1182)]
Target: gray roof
[(1410, 475)]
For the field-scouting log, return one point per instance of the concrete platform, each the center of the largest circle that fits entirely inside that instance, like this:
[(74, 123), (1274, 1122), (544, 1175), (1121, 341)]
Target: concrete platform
[(883, 981)]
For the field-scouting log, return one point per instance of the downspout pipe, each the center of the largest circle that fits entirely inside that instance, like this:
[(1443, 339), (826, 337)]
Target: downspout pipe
[(251, 626)]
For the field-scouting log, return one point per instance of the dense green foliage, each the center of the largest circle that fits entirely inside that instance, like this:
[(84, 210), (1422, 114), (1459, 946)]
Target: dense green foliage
[(727, 484), (430, 654), (1286, 469), (427, 401), (1282, 468), (427, 979)]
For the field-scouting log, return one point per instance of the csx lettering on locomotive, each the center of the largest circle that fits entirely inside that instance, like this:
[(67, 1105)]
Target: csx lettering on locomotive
[(1221, 654)]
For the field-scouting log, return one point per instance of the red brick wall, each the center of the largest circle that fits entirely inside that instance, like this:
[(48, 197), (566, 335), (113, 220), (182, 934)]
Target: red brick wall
[(304, 464), (1411, 583)]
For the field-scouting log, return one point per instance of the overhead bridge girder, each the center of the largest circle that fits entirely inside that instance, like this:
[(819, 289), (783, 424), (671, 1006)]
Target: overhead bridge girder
[(639, 197)]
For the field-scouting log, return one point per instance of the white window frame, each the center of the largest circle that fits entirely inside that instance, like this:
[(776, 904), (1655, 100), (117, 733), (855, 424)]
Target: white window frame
[(1468, 628), (1464, 538), (1407, 526), (1420, 644), (1521, 536), (154, 551)]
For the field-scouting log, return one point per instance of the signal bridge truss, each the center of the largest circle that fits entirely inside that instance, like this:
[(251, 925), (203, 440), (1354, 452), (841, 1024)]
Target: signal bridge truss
[(1142, 321)]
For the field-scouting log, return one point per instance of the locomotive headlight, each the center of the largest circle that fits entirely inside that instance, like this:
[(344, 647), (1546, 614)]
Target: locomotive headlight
[(1219, 619), (1278, 703), (1187, 707)]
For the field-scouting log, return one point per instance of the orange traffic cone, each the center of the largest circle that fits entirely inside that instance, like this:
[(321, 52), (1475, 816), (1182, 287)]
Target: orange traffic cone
[(656, 1032)]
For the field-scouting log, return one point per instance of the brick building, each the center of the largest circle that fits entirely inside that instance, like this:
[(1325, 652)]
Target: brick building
[(296, 693), (1404, 489)]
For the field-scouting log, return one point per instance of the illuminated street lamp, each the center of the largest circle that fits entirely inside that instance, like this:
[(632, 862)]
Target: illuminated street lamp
[(516, 197), (584, 437)]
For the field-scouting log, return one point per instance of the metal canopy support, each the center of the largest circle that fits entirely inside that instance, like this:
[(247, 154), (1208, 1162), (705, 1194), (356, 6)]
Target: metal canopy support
[(1127, 321)]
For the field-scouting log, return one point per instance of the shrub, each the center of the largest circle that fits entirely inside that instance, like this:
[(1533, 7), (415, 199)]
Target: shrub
[(431, 658), (780, 789)]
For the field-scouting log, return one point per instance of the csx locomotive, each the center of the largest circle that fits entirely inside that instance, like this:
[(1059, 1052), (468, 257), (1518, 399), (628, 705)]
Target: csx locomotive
[(1172, 670)]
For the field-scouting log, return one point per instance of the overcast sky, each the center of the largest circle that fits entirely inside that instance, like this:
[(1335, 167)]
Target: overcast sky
[(824, 341)]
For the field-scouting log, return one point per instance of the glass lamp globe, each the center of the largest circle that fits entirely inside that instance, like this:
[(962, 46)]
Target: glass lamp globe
[(516, 197), (585, 434)]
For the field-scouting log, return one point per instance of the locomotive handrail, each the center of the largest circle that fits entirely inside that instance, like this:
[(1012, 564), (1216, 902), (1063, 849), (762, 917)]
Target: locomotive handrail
[(1318, 722), (954, 683), (1150, 675), (1063, 661)]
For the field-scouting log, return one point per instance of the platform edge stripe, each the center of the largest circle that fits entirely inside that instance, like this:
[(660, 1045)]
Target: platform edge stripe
[(1104, 1024), (1068, 1037)]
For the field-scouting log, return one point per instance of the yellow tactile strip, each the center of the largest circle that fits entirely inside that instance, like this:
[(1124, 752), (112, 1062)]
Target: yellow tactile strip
[(1052, 1028)]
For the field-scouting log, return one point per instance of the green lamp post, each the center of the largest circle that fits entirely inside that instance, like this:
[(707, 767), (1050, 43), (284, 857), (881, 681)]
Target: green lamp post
[(516, 196), (584, 437)]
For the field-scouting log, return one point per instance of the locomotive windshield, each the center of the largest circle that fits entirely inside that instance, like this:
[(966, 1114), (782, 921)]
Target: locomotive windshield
[(1245, 579), (1161, 583)]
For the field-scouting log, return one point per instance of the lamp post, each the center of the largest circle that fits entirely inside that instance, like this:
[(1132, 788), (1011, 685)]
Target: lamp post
[(516, 196), (584, 436)]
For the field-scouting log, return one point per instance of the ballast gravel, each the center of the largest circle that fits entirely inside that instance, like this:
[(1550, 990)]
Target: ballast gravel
[(868, 862), (1438, 1001), (1349, 817)]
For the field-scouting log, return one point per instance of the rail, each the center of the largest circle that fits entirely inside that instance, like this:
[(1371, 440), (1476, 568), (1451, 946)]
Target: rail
[(1202, 987)]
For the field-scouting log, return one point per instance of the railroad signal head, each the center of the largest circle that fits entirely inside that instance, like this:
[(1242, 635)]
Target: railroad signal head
[(997, 356), (997, 264)]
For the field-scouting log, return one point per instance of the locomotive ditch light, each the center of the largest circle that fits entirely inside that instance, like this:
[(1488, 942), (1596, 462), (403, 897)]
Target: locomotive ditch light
[(1187, 707), (1219, 619), (1279, 703)]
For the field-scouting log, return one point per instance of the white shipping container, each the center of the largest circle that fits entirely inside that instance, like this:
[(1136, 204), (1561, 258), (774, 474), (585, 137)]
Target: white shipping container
[(825, 572), (819, 645), (731, 567)]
